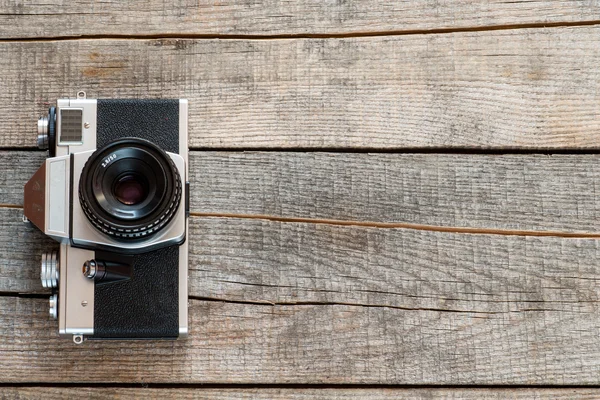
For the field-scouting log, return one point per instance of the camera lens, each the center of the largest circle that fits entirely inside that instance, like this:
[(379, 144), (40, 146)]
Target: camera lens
[(129, 189)]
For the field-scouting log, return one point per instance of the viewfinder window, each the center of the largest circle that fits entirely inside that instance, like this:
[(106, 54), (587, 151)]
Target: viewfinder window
[(71, 126)]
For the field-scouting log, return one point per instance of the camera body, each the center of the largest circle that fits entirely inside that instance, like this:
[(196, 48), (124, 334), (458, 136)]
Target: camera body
[(114, 194)]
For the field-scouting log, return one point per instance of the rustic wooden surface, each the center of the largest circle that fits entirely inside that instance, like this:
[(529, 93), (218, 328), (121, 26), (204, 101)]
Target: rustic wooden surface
[(510, 194), (390, 199), (352, 305), (531, 88), (295, 394), (272, 17)]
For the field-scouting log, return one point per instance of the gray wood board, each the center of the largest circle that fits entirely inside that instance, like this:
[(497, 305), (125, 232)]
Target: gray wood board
[(510, 192), (488, 192), (523, 88), (40, 393), (267, 262), (271, 17), (274, 262), (21, 247), (310, 344)]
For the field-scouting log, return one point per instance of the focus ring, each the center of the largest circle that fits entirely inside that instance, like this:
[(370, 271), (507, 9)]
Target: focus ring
[(135, 233), (138, 231)]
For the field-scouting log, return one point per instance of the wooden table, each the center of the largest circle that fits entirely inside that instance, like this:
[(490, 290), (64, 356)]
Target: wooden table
[(390, 199)]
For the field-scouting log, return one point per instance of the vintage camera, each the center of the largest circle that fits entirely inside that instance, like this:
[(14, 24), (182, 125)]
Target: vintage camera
[(114, 194)]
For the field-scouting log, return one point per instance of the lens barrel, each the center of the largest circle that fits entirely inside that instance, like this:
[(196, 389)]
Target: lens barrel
[(129, 189)]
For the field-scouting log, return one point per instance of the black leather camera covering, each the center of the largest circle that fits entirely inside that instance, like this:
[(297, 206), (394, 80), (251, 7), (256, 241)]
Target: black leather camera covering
[(154, 120), (147, 305)]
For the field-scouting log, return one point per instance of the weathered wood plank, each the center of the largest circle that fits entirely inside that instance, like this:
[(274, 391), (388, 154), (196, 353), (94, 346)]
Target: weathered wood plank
[(17, 168), (270, 17), (381, 306), (245, 343), (510, 192), (9, 393), (21, 246), (524, 88), (271, 262)]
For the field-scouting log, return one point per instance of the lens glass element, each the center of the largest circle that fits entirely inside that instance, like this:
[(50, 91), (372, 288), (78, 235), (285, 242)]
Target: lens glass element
[(130, 190)]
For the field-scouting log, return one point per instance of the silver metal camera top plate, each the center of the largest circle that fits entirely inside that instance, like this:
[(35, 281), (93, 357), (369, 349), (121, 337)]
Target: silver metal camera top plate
[(88, 117)]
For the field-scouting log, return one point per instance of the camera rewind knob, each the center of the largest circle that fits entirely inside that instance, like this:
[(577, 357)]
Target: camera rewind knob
[(42, 138), (49, 273), (46, 129)]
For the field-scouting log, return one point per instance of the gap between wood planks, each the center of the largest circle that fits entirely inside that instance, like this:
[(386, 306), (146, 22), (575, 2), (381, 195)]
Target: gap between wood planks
[(317, 303), (356, 386), (386, 225), (377, 150), (341, 303), (340, 35), (295, 303), (472, 313), (291, 303), (401, 225)]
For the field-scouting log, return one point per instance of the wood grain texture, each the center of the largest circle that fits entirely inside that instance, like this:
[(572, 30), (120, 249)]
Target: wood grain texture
[(319, 303), (17, 168), (276, 302), (524, 88), (271, 17), (304, 344), (21, 247), (510, 192), (42, 393), (269, 263)]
